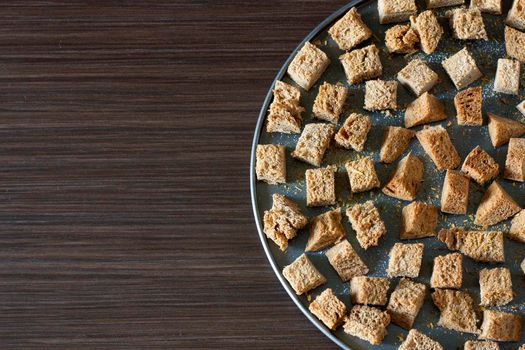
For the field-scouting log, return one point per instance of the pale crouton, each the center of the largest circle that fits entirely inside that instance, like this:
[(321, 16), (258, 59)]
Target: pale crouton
[(501, 129), (329, 102), (345, 261), (437, 144), (308, 65), (329, 309), (391, 11), (270, 163), (380, 95), (487, 6), (418, 220), (521, 107), (495, 286), (419, 341), (369, 290), (350, 30), (428, 29), (405, 260), (523, 266), (362, 175), (514, 43), (325, 230), (367, 224), (320, 186), (507, 78), (515, 162), (457, 310), (405, 302), (302, 275), (362, 64), (443, 3), (484, 246), (500, 326), (454, 196), (417, 77), (401, 38), (480, 166), (462, 69), (496, 205), (516, 15), (480, 345), (406, 179), (283, 220), (448, 271), (517, 228), (368, 323), (467, 24), (354, 131), (395, 141), (313, 143), (468, 106), (285, 111), (425, 109)]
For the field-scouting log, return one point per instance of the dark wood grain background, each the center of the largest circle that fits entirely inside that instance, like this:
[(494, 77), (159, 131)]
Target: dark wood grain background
[(125, 131)]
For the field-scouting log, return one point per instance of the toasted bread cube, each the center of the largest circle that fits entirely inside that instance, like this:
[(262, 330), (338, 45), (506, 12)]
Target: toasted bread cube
[(507, 79), (437, 144), (496, 205), (350, 30), (468, 106), (368, 323), (483, 246), (320, 186), (495, 286), (391, 11), (500, 326), (417, 77), (302, 275), (454, 196), (515, 162), (401, 38), (419, 341), (480, 166), (329, 309), (514, 43), (270, 163), (457, 310), (448, 271), (521, 107), (395, 141), (425, 109), (325, 230), (462, 69), (501, 130), (308, 66), (405, 302), (362, 175), (418, 220), (405, 260), (329, 102), (285, 111), (523, 265), (283, 220), (516, 15), (313, 143), (362, 64), (354, 131), (428, 29), (481, 345), (367, 224), (369, 290), (406, 179), (443, 3), (517, 228), (487, 6), (380, 95), (345, 261), (467, 24)]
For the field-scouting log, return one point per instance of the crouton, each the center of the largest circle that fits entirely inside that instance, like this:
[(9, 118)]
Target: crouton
[(367, 224), (462, 69), (350, 30), (481, 345), (495, 286), (380, 95), (507, 78), (283, 220), (457, 309), (401, 38), (285, 111), (308, 66), (313, 143), (362, 64), (454, 196), (302, 275), (437, 144), (419, 341), (443, 3), (395, 141), (368, 323), (514, 43), (417, 77), (516, 15), (320, 186), (362, 175), (369, 290), (329, 102), (523, 266), (468, 106), (483, 246), (515, 162), (521, 107), (480, 166), (405, 260), (425, 109), (405, 302), (487, 6), (391, 11), (345, 261), (501, 130), (500, 326), (467, 24), (496, 205), (270, 164), (517, 228), (354, 131), (406, 179), (428, 30), (418, 220), (448, 271), (329, 309), (325, 230)]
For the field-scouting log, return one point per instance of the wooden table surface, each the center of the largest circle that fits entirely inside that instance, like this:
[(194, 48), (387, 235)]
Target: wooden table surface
[(125, 131)]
